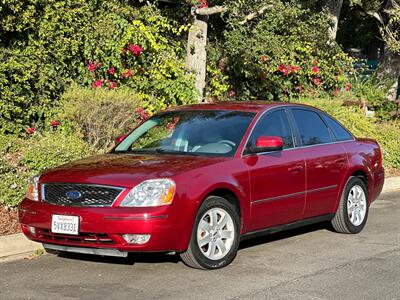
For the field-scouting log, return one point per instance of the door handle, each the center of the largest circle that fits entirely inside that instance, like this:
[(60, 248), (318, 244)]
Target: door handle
[(295, 169)]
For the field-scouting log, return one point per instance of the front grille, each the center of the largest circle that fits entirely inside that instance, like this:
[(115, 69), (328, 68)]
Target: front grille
[(79, 194), (82, 238)]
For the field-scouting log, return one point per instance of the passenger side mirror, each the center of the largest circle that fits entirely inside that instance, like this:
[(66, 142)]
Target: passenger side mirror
[(120, 138), (267, 144)]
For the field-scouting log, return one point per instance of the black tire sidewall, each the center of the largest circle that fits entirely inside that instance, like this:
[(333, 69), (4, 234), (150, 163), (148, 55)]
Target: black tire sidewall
[(352, 182), (215, 202)]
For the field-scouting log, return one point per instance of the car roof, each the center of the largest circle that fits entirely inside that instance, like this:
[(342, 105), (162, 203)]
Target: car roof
[(247, 106)]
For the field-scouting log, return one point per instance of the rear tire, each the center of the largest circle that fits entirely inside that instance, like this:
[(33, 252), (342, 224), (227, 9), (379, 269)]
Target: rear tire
[(215, 235), (352, 212)]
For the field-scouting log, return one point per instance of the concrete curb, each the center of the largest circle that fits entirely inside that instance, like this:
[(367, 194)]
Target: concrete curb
[(17, 244), (391, 184)]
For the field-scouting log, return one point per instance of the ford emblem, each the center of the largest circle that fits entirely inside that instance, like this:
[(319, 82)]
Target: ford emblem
[(73, 195)]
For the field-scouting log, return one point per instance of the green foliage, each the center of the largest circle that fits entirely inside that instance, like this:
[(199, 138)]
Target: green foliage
[(46, 45), (374, 93), (391, 31), (51, 150), (99, 115), (389, 139), (23, 158), (282, 52)]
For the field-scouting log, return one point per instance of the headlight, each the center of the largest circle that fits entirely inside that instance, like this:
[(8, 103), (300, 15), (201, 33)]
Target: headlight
[(154, 192), (32, 192)]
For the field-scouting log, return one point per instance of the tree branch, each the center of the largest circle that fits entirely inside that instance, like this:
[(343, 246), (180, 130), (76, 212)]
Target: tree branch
[(254, 15), (207, 11)]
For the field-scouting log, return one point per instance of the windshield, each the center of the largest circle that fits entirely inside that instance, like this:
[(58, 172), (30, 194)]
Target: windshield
[(216, 133)]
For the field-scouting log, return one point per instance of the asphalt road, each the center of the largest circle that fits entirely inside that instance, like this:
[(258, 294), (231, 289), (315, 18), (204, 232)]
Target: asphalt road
[(308, 263)]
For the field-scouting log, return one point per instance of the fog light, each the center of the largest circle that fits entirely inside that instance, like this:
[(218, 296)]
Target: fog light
[(138, 239), (32, 230)]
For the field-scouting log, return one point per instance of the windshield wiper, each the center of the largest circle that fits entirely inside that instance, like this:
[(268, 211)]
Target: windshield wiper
[(158, 151), (164, 151)]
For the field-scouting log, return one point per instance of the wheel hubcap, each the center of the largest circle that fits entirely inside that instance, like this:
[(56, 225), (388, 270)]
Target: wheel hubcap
[(356, 205), (215, 233)]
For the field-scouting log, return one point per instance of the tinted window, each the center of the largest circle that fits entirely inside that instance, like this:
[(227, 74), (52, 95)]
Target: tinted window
[(273, 124), (311, 127), (341, 134), (211, 132)]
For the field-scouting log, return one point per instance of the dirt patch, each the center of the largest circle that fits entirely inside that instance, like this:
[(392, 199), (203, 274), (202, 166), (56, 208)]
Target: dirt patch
[(8, 221), (392, 172)]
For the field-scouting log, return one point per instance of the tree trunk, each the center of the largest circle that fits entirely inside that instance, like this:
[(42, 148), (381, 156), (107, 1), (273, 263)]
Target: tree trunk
[(196, 58), (389, 70), (334, 8)]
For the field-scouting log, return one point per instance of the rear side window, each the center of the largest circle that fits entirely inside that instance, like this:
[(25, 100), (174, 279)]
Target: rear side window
[(312, 129), (341, 134), (273, 124)]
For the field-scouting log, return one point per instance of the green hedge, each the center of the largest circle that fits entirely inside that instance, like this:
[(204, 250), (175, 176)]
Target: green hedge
[(22, 158), (100, 115)]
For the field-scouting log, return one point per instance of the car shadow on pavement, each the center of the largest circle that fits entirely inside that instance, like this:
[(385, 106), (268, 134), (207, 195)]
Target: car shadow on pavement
[(268, 238), (151, 258), (130, 260)]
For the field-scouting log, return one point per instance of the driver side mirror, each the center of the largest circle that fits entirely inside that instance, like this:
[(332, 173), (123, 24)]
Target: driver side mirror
[(267, 144), (120, 138)]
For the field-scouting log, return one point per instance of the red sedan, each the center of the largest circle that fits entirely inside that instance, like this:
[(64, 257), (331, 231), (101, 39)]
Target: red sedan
[(198, 179)]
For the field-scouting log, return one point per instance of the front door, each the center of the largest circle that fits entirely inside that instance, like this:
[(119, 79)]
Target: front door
[(277, 178)]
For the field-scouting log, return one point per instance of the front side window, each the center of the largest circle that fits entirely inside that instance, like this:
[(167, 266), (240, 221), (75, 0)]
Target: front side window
[(208, 133), (312, 129), (273, 124)]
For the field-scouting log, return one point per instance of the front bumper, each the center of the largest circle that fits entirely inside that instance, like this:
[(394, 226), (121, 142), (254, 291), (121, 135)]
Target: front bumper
[(103, 227)]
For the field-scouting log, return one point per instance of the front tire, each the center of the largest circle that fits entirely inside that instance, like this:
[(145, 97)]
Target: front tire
[(352, 212), (215, 236)]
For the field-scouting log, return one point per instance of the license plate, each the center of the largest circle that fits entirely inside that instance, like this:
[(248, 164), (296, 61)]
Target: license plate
[(65, 224)]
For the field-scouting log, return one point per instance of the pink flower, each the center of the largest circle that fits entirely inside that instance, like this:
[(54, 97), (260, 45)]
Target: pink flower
[(294, 69), (203, 4), (30, 130), (315, 70), (281, 68), (142, 113), (92, 66), (347, 87), (284, 69), (54, 123), (232, 93), (126, 74), (112, 85), (111, 71), (98, 83), (136, 50), (317, 81)]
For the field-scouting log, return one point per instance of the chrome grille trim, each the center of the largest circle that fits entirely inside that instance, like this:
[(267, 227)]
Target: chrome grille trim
[(93, 195)]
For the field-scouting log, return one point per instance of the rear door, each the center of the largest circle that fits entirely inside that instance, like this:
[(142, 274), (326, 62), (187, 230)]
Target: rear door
[(326, 161), (277, 178)]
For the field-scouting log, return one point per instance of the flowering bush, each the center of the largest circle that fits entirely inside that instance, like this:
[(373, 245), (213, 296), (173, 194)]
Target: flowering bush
[(46, 45), (144, 59), (282, 54)]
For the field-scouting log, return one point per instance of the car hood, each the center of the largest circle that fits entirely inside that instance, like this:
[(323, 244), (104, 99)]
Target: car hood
[(125, 170)]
